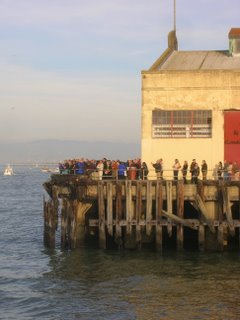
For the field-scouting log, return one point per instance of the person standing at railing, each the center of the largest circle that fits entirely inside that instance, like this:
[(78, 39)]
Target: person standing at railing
[(107, 169), (144, 171), (100, 169), (137, 163), (79, 167), (176, 167), (114, 166), (184, 171), (158, 166), (235, 171), (192, 166), (219, 170), (132, 170), (225, 171), (121, 170), (230, 171), (204, 169), (71, 166), (196, 172)]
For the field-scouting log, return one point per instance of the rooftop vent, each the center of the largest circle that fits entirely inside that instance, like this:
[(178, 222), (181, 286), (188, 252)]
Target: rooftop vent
[(234, 41)]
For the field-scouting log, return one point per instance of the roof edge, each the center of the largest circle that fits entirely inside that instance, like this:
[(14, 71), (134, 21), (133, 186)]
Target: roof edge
[(172, 46)]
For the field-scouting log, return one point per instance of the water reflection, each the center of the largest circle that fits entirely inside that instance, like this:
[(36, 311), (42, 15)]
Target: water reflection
[(143, 285)]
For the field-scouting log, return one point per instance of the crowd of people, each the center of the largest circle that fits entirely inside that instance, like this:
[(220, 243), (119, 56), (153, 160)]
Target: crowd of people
[(106, 169), (135, 169)]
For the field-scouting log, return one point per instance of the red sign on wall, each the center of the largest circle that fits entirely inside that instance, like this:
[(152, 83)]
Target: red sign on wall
[(232, 136), (232, 127)]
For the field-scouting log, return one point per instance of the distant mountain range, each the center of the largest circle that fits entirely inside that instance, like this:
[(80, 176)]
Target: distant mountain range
[(57, 150)]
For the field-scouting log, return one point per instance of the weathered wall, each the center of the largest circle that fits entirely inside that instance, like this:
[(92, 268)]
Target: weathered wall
[(175, 90)]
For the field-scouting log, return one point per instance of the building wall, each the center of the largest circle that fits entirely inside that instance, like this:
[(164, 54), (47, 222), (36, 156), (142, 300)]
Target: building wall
[(175, 90)]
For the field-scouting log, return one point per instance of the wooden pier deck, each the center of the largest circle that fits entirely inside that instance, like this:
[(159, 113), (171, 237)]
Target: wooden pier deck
[(142, 213)]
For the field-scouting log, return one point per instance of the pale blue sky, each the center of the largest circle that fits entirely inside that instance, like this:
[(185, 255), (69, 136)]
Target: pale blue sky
[(71, 69)]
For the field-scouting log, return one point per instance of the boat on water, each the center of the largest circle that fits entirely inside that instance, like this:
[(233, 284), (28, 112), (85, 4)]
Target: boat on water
[(50, 170), (8, 171)]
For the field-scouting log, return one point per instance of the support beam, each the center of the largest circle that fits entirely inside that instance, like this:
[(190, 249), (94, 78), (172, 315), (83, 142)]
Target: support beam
[(176, 219), (201, 206), (227, 210)]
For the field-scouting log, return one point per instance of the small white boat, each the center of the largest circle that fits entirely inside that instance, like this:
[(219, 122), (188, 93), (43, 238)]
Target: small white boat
[(8, 171), (50, 170)]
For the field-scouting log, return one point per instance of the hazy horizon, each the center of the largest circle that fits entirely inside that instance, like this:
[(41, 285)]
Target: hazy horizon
[(58, 150)]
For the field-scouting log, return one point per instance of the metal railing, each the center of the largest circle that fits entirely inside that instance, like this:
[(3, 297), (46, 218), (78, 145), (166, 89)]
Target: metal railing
[(132, 173)]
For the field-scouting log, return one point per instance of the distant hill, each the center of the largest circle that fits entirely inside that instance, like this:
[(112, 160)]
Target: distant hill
[(56, 150)]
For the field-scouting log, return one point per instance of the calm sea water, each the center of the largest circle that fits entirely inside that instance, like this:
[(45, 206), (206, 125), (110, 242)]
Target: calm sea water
[(36, 283)]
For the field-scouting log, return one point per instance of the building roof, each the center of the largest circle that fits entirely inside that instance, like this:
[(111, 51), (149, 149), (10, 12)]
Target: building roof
[(234, 33), (197, 60)]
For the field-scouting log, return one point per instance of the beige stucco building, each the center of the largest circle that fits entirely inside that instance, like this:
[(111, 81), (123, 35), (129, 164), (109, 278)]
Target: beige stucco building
[(191, 105)]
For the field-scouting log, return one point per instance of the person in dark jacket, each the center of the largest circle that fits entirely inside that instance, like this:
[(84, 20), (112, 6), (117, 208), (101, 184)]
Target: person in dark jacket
[(196, 172), (144, 171), (204, 169), (192, 170), (184, 171), (158, 166)]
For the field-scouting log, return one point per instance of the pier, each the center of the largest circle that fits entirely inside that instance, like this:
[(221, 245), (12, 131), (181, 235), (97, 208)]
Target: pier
[(135, 214)]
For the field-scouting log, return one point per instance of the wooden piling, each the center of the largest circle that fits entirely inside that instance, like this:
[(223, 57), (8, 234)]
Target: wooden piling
[(110, 208), (49, 224), (201, 237), (169, 190), (101, 216), (138, 213), (149, 208), (180, 213), (220, 238), (69, 223), (129, 206), (131, 212), (158, 212), (64, 240), (118, 231)]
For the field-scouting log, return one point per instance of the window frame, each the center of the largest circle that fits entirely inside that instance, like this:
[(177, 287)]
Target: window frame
[(181, 124)]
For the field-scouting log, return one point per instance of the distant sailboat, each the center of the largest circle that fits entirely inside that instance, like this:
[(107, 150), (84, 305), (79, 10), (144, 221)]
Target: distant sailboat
[(8, 171)]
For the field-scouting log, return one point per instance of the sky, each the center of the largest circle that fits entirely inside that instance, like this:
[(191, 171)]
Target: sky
[(71, 69)]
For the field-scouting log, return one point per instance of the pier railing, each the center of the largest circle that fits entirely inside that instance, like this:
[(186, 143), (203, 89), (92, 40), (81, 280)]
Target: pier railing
[(133, 173)]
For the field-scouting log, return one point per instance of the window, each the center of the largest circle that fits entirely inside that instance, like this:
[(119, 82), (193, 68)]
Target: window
[(182, 124)]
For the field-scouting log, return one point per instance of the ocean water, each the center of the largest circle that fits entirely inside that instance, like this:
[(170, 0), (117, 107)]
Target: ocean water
[(38, 283)]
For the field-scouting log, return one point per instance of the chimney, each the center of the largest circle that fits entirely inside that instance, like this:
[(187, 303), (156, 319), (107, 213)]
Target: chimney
[(234, 42)]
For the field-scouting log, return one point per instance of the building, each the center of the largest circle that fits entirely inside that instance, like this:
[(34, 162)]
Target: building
[(191, 105)]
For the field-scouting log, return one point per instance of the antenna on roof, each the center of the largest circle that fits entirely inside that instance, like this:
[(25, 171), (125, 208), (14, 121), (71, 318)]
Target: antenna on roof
[(174, 15), (172, 38)]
